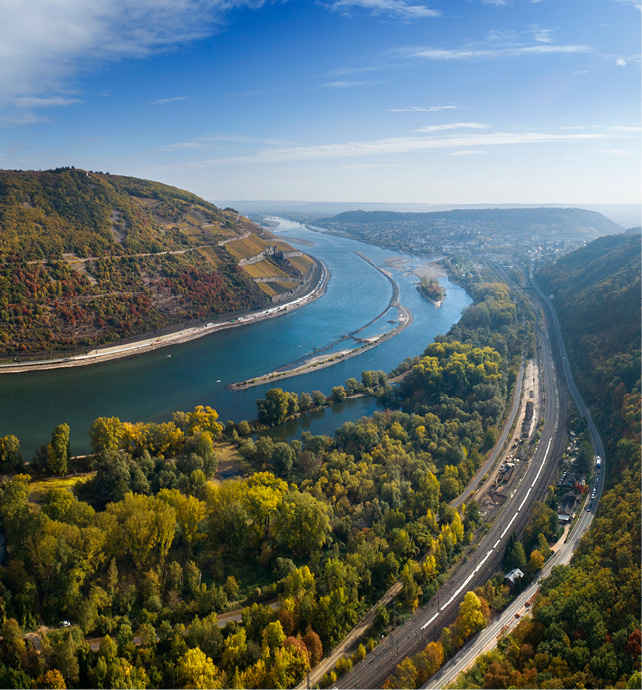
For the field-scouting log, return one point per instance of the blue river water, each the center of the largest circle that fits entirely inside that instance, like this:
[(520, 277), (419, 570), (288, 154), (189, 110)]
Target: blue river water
[(150, 386)]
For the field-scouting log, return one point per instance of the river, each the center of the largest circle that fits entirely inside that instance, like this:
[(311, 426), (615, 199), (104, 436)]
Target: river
[(150, 386)]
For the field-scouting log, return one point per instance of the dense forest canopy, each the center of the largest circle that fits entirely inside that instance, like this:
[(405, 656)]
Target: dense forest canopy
[(596, 292), (148, 552), (585, 625)]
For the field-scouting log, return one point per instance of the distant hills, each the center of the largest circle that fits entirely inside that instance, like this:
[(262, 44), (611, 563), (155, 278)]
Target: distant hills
[(515, 220), (625, 215), (533, 232), (89, 258)]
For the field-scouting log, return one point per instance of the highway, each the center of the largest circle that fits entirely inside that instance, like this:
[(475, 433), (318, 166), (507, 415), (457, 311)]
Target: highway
[(427, 622), (487, 638)]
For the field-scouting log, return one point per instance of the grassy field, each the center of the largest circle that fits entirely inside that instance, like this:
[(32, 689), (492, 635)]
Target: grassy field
[(230, 462), (40, 488)]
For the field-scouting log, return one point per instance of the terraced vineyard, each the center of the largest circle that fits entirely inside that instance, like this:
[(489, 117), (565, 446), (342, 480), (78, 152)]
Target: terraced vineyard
[(90, 258)]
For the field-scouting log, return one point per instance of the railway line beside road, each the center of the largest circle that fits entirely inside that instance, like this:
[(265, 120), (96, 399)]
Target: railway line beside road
[(563, 552), (427, 622)]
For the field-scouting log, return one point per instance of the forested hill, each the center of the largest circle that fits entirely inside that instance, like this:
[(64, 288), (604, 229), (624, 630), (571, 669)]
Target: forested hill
[(89, 258), (585, 626), (596, 292), (518, 220), (44, 214)]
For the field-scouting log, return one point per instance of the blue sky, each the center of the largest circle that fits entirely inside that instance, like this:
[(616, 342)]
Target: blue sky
[(435, 101)]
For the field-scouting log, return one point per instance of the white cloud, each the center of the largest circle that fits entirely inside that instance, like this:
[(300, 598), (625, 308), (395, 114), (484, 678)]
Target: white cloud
[(612, 152), (211, 142), (399, 145), (452, 125), (465, 152), (481, 53), (542, 35), (400, 9), (626, 128), (28, 102), (346, 84), (620, 62), (173, 99), (46, 44), (425, 109), (368, 166), (497, 3)]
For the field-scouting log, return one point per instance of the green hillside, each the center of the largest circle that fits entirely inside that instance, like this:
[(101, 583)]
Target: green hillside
[(596, 293), (89, 258), (585, 624)]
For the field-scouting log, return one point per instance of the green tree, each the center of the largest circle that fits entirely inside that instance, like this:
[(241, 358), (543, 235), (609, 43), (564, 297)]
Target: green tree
[(303, 524), (274, 408), (471, 618), (196, 670), (190, 513), (141, 527), (10, 455), (515, 556), (58, 450), (106, 434), (282, 459), (338, 394)]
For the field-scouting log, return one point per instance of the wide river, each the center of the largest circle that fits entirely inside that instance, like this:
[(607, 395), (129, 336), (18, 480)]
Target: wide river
[(149, 387)]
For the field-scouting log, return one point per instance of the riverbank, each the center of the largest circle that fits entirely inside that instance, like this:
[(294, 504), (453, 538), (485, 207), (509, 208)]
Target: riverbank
[(318, 361), (146, 344)]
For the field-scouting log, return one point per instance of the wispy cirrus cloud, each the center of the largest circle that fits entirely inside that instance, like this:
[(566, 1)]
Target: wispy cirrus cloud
[(260, 92), (213, 142), (500, 44), (346, 84), (465, 152), (402, 145), (46, 44), (612, 152), (451, 126), (425, 108), (499, 52), (399, 9), (173, 99), (542, 35)]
